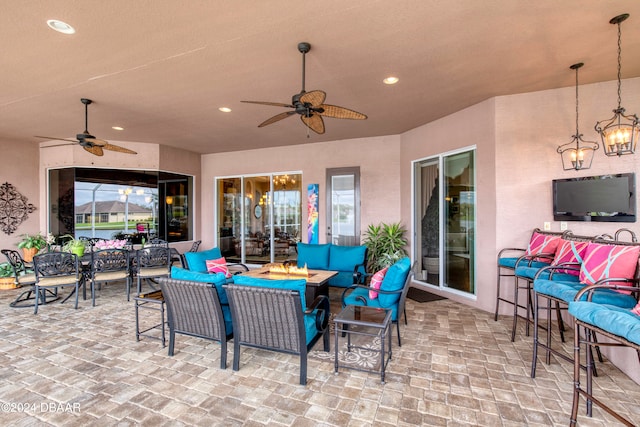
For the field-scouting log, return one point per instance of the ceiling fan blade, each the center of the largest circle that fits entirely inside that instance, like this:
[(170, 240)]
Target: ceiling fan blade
[(57, 139), (276, 118), (315, 123), (96, 150), (341, 112), (119, 149), (273, 104), (315, 97)]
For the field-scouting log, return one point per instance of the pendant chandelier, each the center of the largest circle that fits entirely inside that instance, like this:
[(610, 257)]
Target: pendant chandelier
[(620, 133), (578, 153)]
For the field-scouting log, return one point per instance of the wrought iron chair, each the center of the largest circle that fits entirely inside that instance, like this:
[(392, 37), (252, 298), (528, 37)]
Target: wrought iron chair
[(56, 270), (109, 265), (273, 319), (150, 264), (620, 326), (23, 276), (194, 309)]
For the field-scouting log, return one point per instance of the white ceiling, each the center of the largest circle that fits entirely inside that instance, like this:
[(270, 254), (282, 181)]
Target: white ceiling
[(161, 68)]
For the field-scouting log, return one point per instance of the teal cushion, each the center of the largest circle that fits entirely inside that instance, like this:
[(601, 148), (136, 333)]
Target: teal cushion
[(530, 273), (394, 281), (197, 261), (358, 294), (510, 262), (216, 279), (616, 320), (310, 328), (567, 291), (345, 258), (314, 256), (299, 285)]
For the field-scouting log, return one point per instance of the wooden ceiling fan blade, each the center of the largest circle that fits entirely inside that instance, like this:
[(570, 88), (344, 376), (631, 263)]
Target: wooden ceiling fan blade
[(341, 112), (96, 141), (314, 122), (273, 104), (95, 150), (57, 139), (276, 118), (117, 148), (315, 98)]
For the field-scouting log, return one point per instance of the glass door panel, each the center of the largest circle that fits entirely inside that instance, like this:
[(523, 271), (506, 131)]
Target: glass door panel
[(229, 219), (343, 206)]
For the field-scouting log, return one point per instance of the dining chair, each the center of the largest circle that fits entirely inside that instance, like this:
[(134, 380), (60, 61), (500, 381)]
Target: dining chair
[(23, 276), (56, 270), (150, 264), (109, 265)]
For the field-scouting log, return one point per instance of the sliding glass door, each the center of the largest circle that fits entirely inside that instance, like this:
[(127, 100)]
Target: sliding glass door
[(445, 220)]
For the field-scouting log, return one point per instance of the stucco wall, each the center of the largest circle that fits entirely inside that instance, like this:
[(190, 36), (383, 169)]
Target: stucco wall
[(378, 159)]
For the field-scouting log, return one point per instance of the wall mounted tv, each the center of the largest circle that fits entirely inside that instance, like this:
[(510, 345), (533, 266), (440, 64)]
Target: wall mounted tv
[(606, 198)]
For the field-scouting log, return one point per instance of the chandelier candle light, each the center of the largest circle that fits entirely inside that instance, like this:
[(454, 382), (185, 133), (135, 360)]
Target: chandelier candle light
[(578, 153), (620, 133)]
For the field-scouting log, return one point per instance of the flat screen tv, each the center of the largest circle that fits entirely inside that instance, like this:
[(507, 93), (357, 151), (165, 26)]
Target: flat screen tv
[(607, 198)]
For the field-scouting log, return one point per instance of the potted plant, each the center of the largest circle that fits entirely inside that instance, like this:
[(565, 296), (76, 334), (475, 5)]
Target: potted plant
[(7, 281), (385, 245), (73, 245), (31, 245)]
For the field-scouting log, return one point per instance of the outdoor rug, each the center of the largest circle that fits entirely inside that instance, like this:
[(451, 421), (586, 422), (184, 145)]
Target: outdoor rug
[(418, 295)]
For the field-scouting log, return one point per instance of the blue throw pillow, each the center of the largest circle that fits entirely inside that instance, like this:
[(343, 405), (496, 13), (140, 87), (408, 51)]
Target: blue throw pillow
[(299, 285), (394, 281), (197, 261), (345, 258), (315, 256)]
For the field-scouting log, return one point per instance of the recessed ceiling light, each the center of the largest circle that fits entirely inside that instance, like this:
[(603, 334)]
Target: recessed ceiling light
[(390, 80), (225, 109), (117, 128), (61, 27)]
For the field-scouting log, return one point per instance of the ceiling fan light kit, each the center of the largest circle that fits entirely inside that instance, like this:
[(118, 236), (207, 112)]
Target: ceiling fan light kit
[(309, 105), (87, 141)]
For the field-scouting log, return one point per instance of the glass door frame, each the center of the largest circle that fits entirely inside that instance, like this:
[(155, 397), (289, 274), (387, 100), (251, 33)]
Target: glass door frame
[(416, 222), (330, 173)]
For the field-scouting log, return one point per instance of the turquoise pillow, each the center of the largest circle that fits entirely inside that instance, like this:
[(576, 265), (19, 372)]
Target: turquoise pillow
[(394, 281), (315, 256), (216, 279), (345, 258), (197, 261), (299, 285)]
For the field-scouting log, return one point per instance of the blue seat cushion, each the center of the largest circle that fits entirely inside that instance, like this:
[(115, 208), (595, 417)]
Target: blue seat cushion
[(314, 256), (530, 273), (394, 281), (567, 291), (215, 279), (299, 285), (197, 261), (345, 258), (356, 296), (510, 262), (615, 320)]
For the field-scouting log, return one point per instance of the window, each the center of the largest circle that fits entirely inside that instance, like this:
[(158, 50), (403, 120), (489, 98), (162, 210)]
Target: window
[(109, 203)]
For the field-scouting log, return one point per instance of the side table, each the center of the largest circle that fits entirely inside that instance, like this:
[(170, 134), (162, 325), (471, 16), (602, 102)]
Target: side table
[(369, 322), (151, 301)]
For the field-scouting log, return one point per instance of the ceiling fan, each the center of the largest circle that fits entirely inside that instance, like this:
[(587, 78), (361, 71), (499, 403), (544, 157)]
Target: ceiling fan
[(88, 141), (309, 105)]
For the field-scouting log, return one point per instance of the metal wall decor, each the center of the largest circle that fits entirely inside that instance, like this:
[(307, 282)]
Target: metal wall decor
[(14, 208)]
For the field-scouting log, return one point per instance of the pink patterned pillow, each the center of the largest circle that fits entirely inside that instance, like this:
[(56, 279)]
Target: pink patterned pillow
[(608, 261), (636, 309), (376, 281), (570, 251), (542, 244), (218, 266)]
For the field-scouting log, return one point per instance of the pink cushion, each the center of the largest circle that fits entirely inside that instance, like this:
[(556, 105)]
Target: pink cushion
[(376, 281), (218, 266), (542, 244), (569, 251), (603, 261)]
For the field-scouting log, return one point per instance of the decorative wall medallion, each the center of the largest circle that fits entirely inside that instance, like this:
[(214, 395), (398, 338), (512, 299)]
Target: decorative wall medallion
[(14, 208)]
